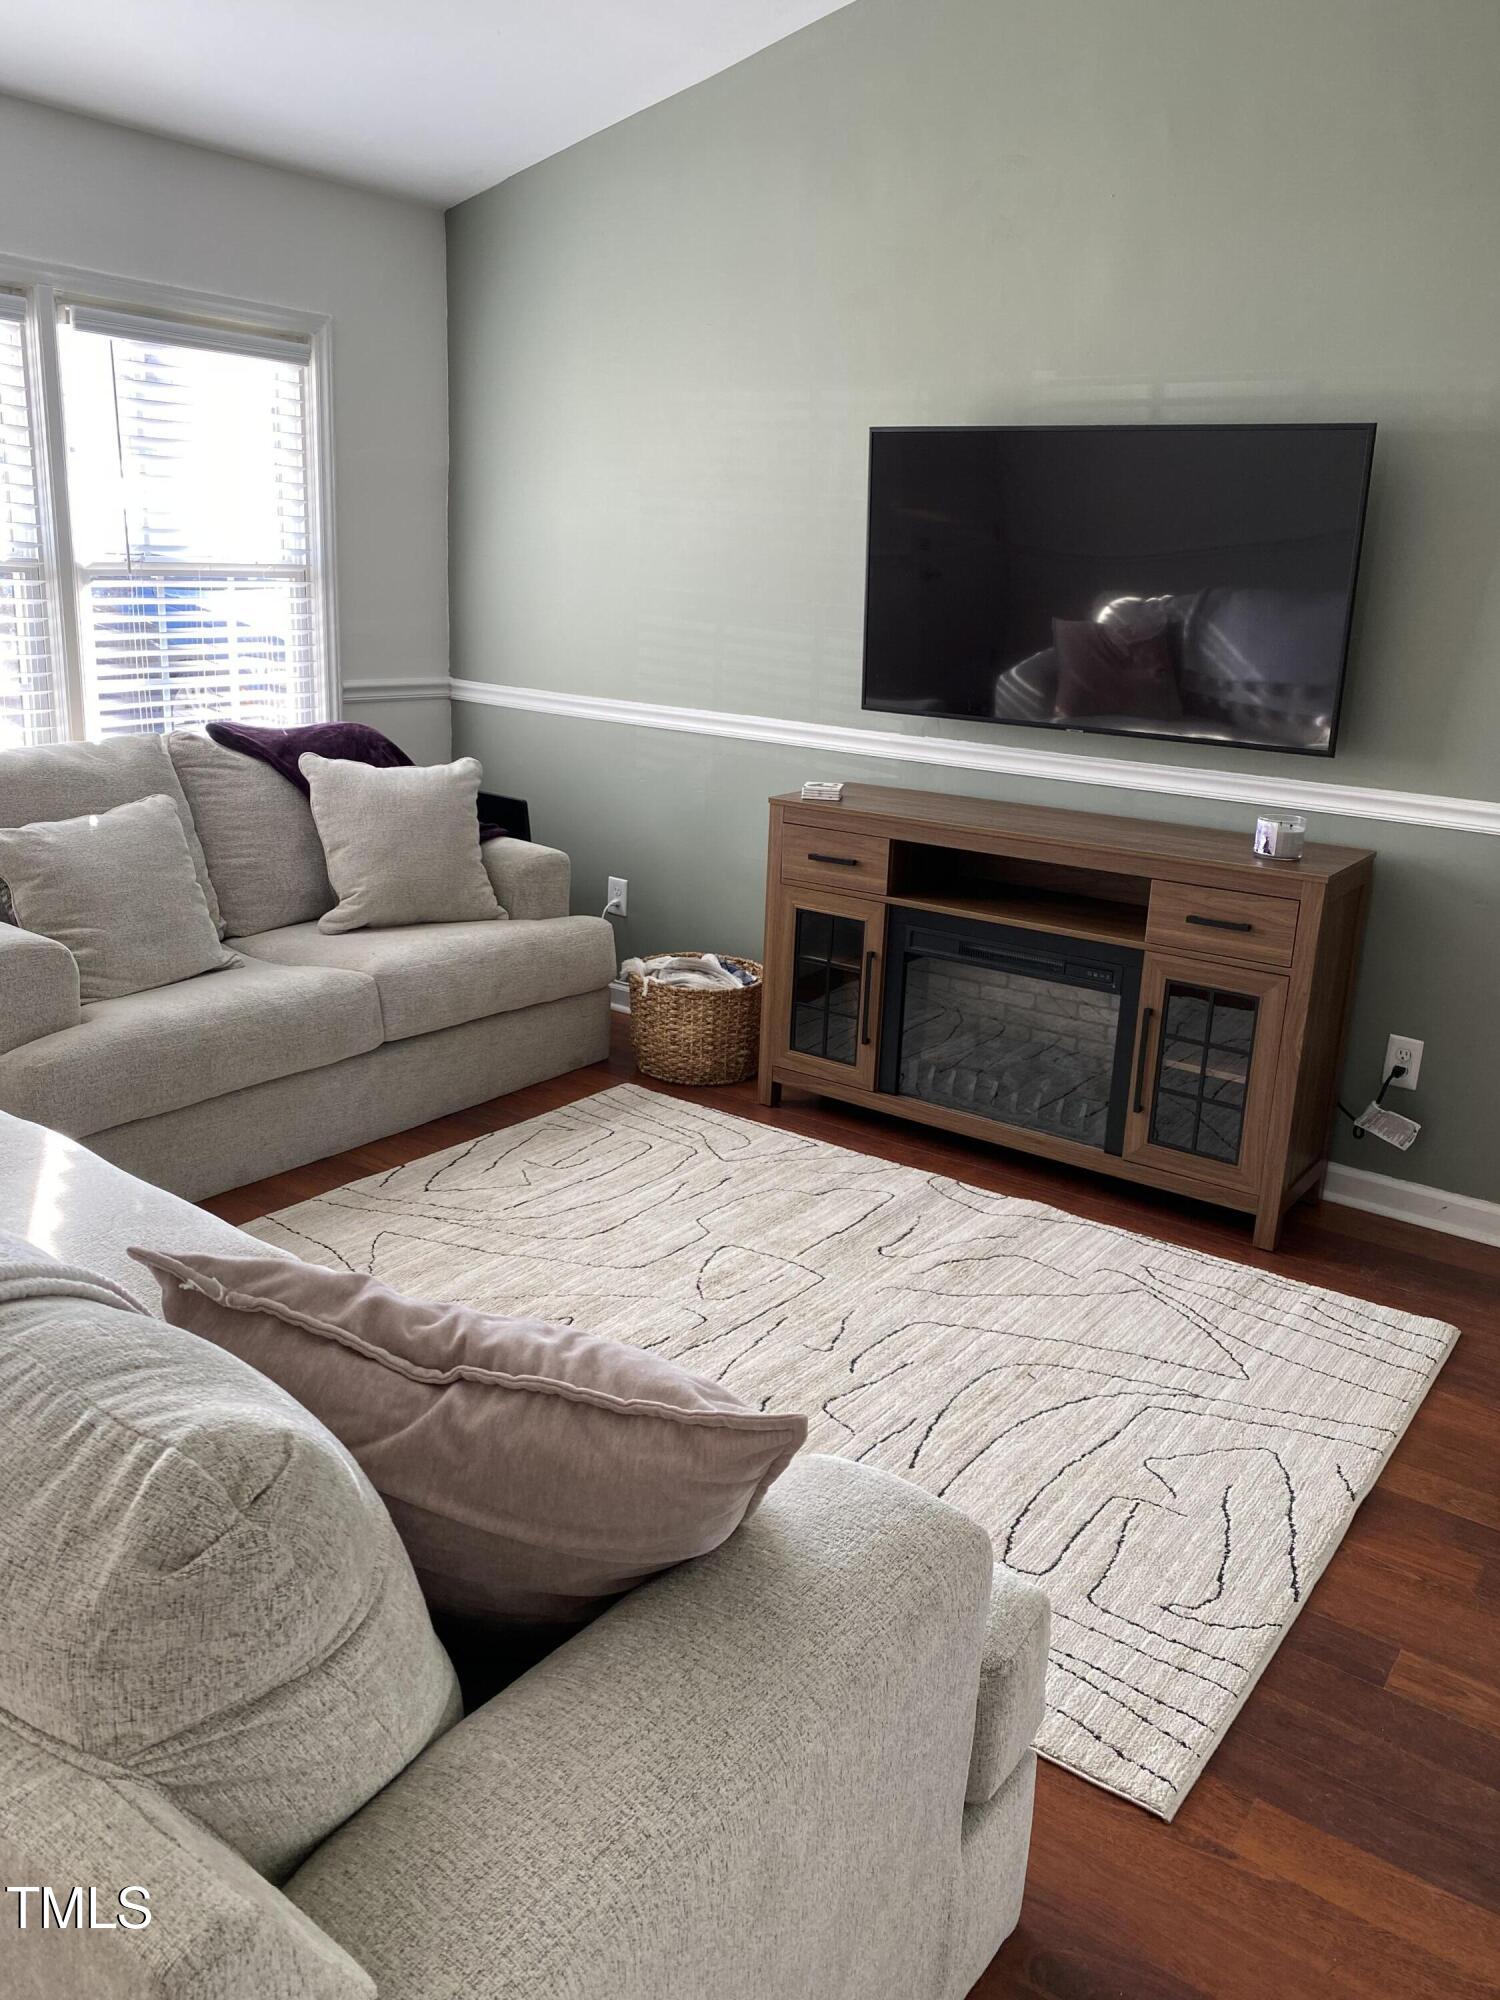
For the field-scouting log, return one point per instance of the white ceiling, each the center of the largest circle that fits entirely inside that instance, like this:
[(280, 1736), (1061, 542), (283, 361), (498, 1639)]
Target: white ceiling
[(435, 98)]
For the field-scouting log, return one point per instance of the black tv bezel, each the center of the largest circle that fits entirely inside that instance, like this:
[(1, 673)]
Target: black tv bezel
[(870, 707)]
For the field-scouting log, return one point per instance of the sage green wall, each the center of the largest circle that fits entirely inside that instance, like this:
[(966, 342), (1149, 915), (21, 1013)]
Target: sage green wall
[(668, 344)]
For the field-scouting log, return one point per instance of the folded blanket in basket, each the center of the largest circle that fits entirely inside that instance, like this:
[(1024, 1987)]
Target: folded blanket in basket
[(696, 970)]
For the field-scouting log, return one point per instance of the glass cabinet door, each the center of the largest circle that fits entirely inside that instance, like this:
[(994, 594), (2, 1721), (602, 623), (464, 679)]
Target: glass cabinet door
[(1206, 1055), (828, 977), (1203, 1071), (829, 1001)]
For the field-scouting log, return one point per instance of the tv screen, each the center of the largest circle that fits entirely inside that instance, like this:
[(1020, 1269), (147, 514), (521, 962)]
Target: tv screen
[(1191, 581)]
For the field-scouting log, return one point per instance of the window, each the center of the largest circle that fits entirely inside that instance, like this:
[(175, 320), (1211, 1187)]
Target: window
[(162, 554), (29, 708)]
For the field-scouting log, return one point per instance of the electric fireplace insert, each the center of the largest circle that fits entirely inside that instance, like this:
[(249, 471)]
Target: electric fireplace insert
[(1028, 1028)]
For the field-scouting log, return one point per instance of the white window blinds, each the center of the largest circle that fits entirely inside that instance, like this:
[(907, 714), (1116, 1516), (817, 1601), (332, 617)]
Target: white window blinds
[(189, 465), (31, 704)]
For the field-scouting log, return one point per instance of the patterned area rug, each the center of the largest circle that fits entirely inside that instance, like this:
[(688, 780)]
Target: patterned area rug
[(1171, 1445)]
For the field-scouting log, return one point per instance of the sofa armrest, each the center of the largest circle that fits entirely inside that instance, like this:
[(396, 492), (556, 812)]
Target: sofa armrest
[(528, 881), (746, 1778), (68, 1201), (38, 987), (1012, 1683)]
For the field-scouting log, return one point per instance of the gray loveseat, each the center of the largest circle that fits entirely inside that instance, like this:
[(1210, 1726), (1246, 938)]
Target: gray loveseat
[(313, 1043), (798, 1769)]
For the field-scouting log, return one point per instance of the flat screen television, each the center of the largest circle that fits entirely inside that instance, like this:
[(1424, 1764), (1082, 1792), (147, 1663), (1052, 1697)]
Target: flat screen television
[(1184, 581)]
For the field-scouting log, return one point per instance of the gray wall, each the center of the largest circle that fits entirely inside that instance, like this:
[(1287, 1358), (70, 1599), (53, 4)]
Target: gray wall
[(78, 192), (668, 344)]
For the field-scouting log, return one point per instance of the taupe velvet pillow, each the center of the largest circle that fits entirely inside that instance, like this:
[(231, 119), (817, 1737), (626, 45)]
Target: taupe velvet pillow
[(402, 845), (533, 1471), (119, 889)]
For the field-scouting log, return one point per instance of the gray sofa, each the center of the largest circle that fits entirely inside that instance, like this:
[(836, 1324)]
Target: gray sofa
[(311, 1044), (799, 1767)]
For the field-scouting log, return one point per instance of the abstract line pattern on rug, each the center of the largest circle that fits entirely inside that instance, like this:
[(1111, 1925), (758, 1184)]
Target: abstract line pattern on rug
[(1171, 1445)]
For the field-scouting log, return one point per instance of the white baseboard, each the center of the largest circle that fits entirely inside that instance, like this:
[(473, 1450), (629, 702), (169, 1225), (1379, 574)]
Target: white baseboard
[(1379, 1194), (1410, 1201)]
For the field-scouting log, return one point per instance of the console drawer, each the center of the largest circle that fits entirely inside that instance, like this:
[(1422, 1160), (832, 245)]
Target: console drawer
[(815, 857), (1222, 923)]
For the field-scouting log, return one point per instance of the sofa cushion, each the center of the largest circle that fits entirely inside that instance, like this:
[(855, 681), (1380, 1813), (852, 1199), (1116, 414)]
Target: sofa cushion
[(202, 1591), (436, 975), (402, 844), (217, 1930), (62, 780), (158, 1051), (262, 847), (117, 888)]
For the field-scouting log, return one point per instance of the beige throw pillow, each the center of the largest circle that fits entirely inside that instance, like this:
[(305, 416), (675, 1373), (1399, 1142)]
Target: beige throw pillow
[(258, 835), (402, 846), (119, 889), (63, 780), (533, 1471)]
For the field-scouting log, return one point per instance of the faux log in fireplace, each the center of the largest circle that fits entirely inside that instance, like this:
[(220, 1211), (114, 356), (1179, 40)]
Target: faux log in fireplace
[(1155, 1002)]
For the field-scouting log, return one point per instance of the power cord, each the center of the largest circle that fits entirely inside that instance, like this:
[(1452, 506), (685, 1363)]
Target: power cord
[(1399, 1070)]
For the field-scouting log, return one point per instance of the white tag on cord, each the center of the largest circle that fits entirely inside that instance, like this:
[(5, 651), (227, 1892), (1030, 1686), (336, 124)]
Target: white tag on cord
[(1388, 1125)]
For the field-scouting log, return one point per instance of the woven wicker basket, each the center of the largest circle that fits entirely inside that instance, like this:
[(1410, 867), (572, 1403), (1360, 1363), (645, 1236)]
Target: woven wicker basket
[(685, 1034)]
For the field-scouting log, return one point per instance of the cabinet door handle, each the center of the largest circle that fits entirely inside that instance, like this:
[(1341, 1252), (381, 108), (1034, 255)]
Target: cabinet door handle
[(1140, 1059), (1219, 923), (864, 1009), (851, 861)]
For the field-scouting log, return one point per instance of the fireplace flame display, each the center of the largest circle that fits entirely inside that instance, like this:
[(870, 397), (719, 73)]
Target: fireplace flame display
[(1020, 1026)]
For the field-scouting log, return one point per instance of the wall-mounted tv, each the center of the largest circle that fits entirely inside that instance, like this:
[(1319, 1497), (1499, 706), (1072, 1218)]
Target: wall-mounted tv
[(1186, 581)]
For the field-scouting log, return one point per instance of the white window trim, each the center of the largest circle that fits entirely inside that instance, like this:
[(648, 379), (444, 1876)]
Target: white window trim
[(216, 314)]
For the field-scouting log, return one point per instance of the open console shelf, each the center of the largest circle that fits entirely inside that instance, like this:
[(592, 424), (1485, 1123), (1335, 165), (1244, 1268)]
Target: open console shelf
[(1043, 896), (1151, 1001)]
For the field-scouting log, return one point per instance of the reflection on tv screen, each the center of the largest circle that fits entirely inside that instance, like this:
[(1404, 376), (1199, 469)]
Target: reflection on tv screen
[(1172, 581)]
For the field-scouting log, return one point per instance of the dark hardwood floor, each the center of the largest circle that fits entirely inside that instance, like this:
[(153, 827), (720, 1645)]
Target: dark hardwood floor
[(1344, 1843)]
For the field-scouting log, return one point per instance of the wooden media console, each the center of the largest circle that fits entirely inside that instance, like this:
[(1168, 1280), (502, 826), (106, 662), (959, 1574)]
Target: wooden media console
[(1145, 1000)]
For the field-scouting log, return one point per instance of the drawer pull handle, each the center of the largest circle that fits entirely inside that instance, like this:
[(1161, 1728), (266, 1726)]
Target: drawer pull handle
[(1220, 923), (1140, 1060), (849, 861), (864, 1012)]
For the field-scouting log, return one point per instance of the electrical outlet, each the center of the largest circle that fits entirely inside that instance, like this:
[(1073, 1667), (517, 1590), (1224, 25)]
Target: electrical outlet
[(1408, 1053), (618, 903)]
